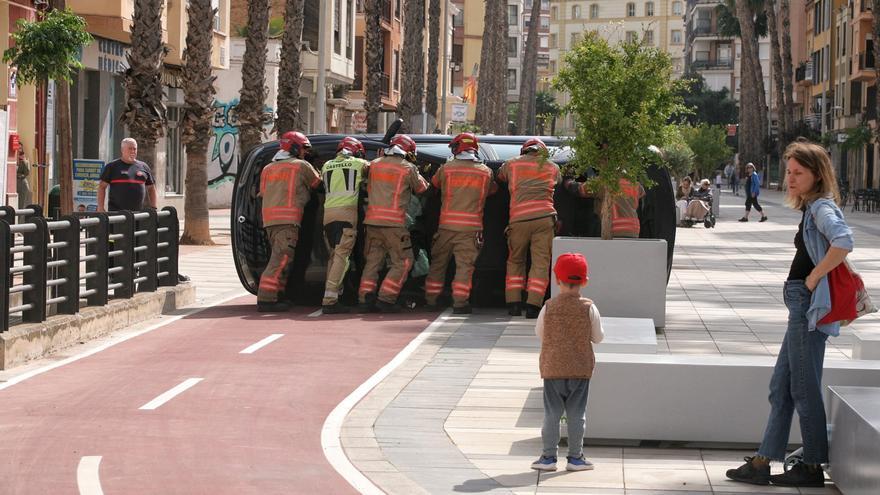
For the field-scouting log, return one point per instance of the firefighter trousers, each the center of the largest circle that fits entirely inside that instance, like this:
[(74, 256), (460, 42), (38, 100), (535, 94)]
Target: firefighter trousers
[(379, 242), (340, 238), (465, 247), (282, 239), (534, 237)]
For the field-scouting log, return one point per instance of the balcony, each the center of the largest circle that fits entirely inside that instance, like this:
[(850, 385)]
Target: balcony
[(386, 86), (864, 15), (703, 29), (720, 64), (866, 70), (803, 75), (385, 13)]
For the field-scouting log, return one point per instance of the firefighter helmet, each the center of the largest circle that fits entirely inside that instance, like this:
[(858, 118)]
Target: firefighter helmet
[(465, 141), (533, 144), (293, 142), (405, 143), (353, 146)]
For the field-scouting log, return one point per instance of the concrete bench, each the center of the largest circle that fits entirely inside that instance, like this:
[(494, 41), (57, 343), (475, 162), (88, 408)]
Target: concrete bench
[(695, 398), (855, 442), (866, 344), (628, 335)]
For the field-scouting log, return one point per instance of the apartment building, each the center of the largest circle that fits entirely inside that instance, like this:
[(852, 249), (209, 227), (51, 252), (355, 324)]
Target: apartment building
[(859, 168), (659, 23)]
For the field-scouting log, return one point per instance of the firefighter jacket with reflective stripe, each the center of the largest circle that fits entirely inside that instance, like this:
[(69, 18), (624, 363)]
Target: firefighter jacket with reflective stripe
[(392, 182), (285, 187), (531, 180), (342, 181), (624, 213), (464, 186)]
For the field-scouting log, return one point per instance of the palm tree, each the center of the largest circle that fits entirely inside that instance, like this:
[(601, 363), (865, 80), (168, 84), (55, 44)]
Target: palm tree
[(876, 10), (753, 112), (413, 64), (529, 84), (290, 70), (433, 59), (778, 86), (492, 90), (787, 66), (253, 77), (144, 112), (372, 71), (198, 89)]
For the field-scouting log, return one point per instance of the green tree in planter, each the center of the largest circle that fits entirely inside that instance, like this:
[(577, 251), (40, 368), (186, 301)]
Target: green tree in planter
[(45, 50), (677, 155), (621, 98), (709, 144)]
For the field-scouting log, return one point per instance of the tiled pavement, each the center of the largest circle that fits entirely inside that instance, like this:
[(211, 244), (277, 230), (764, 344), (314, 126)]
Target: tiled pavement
[(464, 412), (211, 268)]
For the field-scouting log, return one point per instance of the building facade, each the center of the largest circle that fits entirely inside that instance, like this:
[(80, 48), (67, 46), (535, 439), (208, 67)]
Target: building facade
[(543, 28), (658, 23)]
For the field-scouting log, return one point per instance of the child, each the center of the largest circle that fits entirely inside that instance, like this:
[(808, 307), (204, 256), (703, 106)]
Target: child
[(566, 326)]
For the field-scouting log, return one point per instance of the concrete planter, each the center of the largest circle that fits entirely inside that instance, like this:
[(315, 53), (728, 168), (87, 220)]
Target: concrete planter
[(627, 276)]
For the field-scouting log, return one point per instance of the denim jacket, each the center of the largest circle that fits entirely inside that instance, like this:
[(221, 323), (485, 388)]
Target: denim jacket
[(755, 185), (824, 227)]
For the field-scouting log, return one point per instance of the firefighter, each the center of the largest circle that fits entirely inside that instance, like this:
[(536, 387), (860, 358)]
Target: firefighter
[(342, 176), (531, 179), (464, 183), (624, 210), (393, 180), (285, 186)]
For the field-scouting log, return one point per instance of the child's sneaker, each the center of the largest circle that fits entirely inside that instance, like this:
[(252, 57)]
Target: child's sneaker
[(545, 464), (578, 464)]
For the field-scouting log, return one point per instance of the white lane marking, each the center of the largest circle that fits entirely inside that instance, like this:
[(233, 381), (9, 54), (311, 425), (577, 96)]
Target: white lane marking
[(87, 479), (174, 392), (330, 441), (316, 314), (49, 367), (263, 343)]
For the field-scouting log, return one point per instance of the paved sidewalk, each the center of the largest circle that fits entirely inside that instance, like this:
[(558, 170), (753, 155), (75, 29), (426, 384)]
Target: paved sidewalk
[(211, 268), (464, 412)]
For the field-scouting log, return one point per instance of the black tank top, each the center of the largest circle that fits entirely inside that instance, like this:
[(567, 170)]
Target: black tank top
[(801, 265)]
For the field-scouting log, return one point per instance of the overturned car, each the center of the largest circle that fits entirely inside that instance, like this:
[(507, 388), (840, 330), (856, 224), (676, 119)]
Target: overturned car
[(576, 217)]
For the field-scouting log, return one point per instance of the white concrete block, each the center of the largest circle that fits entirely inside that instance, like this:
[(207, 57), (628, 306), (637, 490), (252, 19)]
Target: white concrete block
[(855, 443), (627, 276), (866, 344), (628, 335), (694, 398)]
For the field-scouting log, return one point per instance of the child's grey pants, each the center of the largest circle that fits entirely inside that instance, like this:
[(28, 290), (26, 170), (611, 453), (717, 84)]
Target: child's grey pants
[(568, 396)]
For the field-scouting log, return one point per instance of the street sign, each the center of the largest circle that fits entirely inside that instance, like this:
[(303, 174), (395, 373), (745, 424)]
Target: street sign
[(731, 129), (459, 112)]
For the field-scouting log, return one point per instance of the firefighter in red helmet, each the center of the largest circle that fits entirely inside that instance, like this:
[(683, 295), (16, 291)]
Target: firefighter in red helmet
[(532, 179), (464, 183), (393, 179), (285, 186)]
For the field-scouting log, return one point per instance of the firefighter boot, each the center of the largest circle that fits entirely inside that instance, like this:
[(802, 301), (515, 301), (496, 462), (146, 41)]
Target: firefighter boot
[(272, 307), (462, 310), (532, 311), (334, 309), (513, 309)]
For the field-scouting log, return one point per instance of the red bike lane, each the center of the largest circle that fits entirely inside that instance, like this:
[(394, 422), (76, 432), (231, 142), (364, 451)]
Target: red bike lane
[(251, 425)]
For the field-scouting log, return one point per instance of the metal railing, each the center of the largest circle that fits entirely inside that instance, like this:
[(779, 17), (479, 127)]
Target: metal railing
[(58, 264)]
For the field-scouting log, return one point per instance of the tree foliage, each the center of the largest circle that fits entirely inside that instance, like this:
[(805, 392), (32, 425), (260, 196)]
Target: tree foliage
[(677, 155), (728, 24), (707, 105), (547, 110), (709, 146), (621, 98), (48, 49)]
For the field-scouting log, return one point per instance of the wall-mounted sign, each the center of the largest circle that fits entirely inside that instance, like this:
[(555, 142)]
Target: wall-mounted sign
[(459, 112), (105, 55), (86, 177)]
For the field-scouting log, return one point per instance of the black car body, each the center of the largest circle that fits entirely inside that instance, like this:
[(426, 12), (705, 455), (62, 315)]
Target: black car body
[(306, 281)]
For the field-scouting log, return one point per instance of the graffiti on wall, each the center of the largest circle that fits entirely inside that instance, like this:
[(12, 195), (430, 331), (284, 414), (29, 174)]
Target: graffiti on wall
[(223, 148)]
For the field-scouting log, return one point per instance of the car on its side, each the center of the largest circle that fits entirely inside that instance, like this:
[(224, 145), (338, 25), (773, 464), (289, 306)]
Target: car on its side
[(306, 280)]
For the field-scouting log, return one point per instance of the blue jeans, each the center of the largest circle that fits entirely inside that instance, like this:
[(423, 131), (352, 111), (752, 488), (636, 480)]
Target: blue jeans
[(570, 396), (797, 384)]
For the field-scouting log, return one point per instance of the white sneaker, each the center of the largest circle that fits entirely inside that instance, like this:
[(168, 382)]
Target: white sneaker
[(578, 464)]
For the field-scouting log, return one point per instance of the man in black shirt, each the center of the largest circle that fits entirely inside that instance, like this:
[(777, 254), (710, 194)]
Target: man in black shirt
[(130, 181)]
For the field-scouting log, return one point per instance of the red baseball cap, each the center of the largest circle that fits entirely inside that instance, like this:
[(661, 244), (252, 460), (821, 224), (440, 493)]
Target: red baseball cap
[(571, 268)]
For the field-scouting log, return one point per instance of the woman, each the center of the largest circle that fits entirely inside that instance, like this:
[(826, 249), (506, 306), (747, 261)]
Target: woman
[(697, 210), (822, 242), (683, 195), (753, 188)]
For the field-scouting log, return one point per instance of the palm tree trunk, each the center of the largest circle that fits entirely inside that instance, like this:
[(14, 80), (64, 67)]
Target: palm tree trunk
[(413, 67), (779, 86), (145, 108), (529, 80), (751, 77), (492, 89), (434, 61), (372, 73), (606, 214), (253, 78), (198, 87), (876, 26), (290, 70), (787, 67)]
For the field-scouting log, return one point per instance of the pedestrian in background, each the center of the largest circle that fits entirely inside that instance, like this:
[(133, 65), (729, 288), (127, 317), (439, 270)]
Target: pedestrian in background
[(822, 242), (130, 181), (567, 326), (753, 189), (22, 185)]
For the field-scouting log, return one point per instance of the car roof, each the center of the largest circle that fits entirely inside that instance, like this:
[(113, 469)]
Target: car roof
[(436, 138)]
